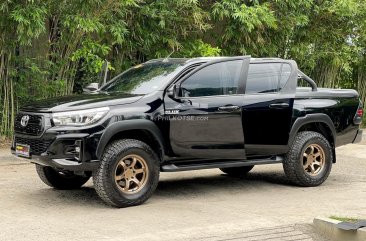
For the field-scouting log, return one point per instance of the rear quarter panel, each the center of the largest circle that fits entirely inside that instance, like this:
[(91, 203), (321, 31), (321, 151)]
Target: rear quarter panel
[(340, 109)]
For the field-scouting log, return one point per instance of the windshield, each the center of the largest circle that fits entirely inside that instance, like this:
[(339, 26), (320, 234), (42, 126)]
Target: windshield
[(143, 78)]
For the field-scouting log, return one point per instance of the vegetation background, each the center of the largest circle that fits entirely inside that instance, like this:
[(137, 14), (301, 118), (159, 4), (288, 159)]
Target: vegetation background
[(54, 47)]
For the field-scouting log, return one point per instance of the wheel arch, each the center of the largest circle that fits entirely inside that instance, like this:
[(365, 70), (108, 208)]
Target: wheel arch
[(141, 129), (320, 123)]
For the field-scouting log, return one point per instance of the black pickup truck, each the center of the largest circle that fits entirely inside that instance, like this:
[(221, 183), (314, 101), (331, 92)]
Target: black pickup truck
[(170, 115)]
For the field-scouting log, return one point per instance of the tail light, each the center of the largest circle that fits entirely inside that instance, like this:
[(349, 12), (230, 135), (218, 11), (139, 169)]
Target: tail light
[(358, 116), (359, 112)]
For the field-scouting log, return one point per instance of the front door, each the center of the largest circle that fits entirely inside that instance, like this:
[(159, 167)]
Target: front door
[(206, 118)]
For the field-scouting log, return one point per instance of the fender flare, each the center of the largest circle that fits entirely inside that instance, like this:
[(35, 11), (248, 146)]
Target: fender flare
[(125, 125), (312, 118)]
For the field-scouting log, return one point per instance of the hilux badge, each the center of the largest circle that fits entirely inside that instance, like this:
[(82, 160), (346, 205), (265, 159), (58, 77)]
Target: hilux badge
[(171, 112), (24, 120)]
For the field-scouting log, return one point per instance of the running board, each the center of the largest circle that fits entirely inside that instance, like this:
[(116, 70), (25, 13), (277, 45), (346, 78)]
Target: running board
[(189, 166)]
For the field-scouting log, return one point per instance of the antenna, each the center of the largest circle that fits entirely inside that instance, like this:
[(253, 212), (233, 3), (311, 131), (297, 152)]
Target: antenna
[(166, 58)]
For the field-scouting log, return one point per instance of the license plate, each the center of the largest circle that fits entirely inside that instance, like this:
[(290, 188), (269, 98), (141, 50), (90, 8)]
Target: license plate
[(22, 150)]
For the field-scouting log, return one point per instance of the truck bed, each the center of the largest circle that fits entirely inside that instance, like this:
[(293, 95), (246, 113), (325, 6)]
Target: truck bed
[(302, 92)]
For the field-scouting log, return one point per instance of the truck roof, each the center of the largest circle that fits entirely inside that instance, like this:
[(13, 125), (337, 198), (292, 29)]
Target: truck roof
[(206, 59)]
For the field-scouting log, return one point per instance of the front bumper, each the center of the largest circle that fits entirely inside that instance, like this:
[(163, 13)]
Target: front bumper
[(68, 151), (358, 137), (62, 164)]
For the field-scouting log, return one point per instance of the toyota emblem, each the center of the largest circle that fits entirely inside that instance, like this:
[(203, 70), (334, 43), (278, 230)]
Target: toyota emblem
[(24, 120)]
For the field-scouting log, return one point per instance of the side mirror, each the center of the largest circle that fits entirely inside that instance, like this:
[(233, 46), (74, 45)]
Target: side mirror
[(91, 87), (173, 92)]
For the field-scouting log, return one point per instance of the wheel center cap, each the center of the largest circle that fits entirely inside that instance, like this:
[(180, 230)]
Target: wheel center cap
[(129, 173), (310, 160)]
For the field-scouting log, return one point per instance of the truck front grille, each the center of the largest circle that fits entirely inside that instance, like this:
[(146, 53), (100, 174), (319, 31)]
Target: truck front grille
[(37, 146), (34, 125)]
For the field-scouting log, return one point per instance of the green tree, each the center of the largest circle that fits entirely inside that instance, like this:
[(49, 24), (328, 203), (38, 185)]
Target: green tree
[(52, 48)]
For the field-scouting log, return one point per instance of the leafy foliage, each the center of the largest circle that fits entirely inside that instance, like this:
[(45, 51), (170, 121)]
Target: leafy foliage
[(52, 48)]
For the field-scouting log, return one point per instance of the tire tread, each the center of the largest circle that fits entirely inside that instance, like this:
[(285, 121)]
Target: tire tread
[(112, 151), (299, 177), (51, 178)]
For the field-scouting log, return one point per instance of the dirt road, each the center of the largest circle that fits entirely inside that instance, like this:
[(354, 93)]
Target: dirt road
[(205, 205)]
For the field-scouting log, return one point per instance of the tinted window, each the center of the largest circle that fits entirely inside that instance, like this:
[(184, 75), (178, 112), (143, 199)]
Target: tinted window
[(285, 75), (267, 77), (263, 78), (216, 79)]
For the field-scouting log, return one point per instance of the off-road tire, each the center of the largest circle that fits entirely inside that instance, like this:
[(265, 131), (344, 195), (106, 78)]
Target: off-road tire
[(293, 163), (62, 181), (237, 171), (104, 177)]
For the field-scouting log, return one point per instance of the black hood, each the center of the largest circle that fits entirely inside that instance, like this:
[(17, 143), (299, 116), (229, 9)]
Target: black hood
[(79, 102)]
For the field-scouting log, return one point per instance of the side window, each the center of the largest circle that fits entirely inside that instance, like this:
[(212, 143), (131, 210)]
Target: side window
[(285, 75), (267, 77), (263, 78), (216, 79)]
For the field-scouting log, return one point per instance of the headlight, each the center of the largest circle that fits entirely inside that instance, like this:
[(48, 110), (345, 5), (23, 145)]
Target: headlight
[(79, 118)]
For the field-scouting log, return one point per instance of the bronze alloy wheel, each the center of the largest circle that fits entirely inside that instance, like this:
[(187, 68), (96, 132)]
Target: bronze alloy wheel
[(313, 159), (131, 174), (309, 160)]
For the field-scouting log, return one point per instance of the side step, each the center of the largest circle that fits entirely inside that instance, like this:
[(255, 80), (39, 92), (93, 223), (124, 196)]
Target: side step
[(196, 165)]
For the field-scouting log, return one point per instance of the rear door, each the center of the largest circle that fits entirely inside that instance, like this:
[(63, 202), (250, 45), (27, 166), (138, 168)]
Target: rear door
[(206, 120), (268, 103)]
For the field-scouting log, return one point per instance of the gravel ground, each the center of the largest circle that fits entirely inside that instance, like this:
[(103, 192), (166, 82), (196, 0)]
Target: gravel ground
[(197, 205)]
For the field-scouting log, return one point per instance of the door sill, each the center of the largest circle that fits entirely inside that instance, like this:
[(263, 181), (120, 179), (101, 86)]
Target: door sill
[(208, 164)]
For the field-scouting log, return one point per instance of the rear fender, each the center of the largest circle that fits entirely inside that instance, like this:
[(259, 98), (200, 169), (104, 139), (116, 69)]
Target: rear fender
[(314, 118)]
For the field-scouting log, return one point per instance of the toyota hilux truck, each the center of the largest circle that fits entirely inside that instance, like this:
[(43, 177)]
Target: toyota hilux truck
[(178, 114)]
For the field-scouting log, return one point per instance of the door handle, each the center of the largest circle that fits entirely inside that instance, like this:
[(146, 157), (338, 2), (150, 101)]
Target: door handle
[(229, 108), (279, 105)]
